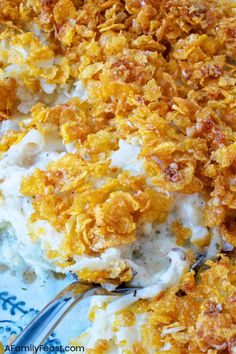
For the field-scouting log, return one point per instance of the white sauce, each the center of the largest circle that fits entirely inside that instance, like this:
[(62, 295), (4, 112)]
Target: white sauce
[(104, 320), (16, 248), (189, 209), (126, 158), (102, 329)]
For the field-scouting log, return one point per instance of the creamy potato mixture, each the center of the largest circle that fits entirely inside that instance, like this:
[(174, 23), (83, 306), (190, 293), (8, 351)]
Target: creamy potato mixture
[(118, 161)]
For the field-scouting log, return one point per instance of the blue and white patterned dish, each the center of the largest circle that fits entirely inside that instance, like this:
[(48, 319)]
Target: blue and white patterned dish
[(20, 302)]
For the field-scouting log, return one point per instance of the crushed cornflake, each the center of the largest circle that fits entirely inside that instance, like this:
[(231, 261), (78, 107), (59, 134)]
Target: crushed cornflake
[(198, 316), (158, 73)]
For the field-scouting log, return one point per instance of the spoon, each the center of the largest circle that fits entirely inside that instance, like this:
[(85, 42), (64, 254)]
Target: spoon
[(40, 328)]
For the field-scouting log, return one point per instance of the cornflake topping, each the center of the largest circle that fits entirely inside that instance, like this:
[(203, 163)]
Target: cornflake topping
[(159, 76)]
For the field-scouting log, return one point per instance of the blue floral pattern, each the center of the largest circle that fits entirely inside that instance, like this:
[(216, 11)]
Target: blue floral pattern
[(9, 302), (20, 302), (9, 328)]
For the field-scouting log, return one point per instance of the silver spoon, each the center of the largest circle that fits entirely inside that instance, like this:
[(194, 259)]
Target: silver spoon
[(40, 328)]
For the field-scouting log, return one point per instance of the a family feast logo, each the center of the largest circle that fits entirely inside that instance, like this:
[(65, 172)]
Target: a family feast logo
[(42, 348)]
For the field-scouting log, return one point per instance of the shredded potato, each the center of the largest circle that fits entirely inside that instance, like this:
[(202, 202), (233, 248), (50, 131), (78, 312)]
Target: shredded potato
[(159, 75)]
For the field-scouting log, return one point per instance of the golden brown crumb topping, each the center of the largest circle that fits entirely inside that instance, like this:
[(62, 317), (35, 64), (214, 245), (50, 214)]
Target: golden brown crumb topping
[(197, 317), (160, 72)]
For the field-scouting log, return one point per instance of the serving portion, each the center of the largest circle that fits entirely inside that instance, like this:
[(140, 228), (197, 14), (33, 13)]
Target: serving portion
[(118, 153)]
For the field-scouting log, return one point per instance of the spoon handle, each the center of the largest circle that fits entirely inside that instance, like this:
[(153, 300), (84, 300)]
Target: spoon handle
[(40, 328)]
